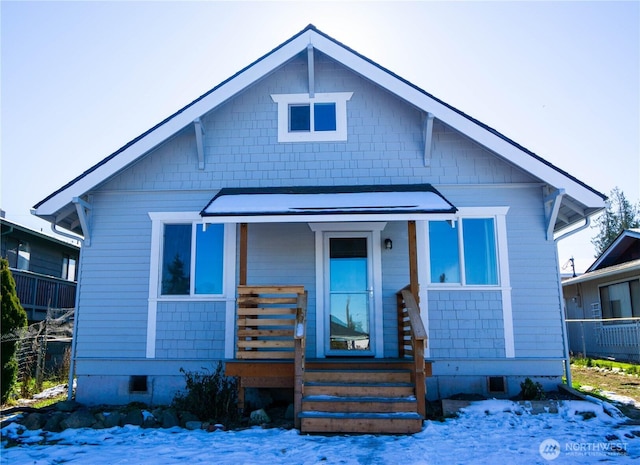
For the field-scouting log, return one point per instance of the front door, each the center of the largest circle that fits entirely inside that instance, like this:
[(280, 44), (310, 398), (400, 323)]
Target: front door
[(349, 293)]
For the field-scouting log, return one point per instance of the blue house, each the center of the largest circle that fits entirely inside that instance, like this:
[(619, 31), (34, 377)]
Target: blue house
[(43, 267), (320, 224)]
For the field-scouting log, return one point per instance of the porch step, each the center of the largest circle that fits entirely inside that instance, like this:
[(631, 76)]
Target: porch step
[(358, 376), (363, 423), (359, 389), (359, 396), (358, 404)]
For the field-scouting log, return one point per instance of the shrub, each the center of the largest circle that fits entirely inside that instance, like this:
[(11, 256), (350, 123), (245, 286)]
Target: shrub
[(211, 396), (13, 317), (531, 391)]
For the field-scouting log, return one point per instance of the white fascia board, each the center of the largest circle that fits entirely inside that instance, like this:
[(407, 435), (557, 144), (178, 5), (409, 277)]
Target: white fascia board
[(459, 122), (258, 70), (604, 273)]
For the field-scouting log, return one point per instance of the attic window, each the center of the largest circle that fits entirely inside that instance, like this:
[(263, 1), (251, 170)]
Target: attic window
[(312, 119), (322, 118)]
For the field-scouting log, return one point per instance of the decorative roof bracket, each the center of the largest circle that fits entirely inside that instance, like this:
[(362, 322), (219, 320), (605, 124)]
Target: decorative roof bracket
[(428, 138), (310, 67), (199, 133), (552, 209)]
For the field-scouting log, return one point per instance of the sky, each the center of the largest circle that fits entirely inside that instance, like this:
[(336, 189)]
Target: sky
[(509, 434), (79, 80)]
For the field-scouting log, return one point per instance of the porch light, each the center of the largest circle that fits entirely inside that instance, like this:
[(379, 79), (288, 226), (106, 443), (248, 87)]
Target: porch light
[(388, 244)]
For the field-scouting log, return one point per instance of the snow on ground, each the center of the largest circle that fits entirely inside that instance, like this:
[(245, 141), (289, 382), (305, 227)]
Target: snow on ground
[(492, 431)]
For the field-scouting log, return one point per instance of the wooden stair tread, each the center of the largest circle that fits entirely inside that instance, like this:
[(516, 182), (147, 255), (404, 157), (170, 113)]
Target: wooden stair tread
[(325, 398), (356, 384), (350, 415), (363, 370)]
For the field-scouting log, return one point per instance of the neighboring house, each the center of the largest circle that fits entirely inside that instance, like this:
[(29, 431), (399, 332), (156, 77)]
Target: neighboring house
[(323, 176), (608, 292), (43, 267)]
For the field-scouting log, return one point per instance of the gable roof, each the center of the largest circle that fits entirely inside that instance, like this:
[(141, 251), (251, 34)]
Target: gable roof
[(625, 248), (577, 202), (10, 226)]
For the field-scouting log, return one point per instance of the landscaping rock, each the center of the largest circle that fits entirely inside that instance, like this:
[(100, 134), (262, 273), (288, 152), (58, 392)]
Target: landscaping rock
[(290, 413), (169, 419), (53, 422), (101, 420), (34, 421), (67, 406), (78, 419), (186, 417), (149, 420), (259, 417), (111, 419), (193, 425), (134, 417)]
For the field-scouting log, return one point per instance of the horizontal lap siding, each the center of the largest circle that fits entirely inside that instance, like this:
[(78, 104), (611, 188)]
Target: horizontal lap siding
[(534, 279), (395, 276), (285, 254), (114, 293)]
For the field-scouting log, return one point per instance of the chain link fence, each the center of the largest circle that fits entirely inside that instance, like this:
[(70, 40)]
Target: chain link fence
[(43, 348)]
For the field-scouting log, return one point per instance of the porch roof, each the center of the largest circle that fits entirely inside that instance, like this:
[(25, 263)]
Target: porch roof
[(326, 203)]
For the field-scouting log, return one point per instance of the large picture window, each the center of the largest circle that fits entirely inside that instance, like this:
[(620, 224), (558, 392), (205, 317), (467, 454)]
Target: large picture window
[(620, 300), (463, 252), (192, 259)]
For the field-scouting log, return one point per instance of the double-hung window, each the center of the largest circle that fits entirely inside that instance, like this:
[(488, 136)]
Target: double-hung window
[(322, 117), (192, 259), (463, 252)]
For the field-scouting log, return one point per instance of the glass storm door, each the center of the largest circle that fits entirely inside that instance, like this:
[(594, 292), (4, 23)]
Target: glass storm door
[(349, 294)]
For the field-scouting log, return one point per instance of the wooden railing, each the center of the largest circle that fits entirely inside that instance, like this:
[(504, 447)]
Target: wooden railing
[(272, 326), (38, 292), (300, 336), (267, 320), (412, 339)]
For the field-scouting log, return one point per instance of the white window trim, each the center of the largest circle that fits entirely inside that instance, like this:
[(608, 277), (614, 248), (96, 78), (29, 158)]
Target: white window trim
[(284, 100), (158, 220), (498, 214)]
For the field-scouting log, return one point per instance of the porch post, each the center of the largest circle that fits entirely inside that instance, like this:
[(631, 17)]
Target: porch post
[(413, 261), (243, 254)]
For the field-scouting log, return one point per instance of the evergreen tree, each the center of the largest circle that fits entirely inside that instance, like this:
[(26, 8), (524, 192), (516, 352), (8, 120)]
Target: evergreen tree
[(178, 282), (13, 317), (619, 215)]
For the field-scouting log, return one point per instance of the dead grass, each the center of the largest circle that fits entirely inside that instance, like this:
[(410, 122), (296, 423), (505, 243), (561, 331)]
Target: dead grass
[(599, 382)]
